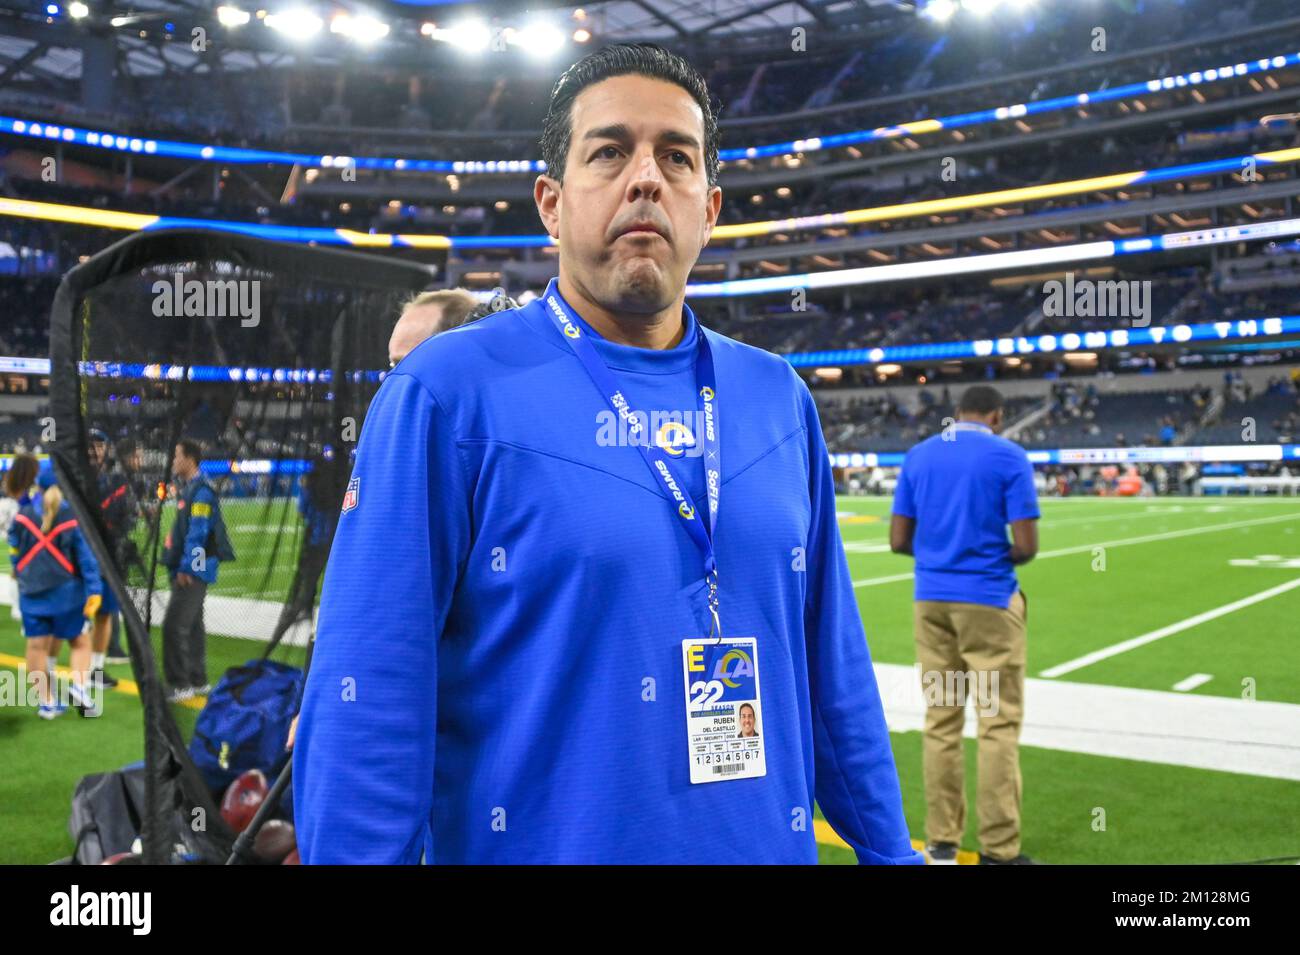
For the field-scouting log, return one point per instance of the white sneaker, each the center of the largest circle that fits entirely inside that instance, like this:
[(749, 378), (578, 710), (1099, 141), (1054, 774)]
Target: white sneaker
[(180, 694), (50, 711), (82, 700)]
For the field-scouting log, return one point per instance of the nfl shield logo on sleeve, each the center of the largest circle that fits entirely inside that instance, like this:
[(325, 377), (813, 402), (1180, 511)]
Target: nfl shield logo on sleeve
[(351, 494)]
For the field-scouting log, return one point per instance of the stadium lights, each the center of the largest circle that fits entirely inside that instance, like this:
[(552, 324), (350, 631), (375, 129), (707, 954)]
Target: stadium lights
[(979, 7), (232, 16), (472, 35), (940, 11), (362, 29), (78, 10), (52, 9), (538, 39), (581, 36), (296, 24)]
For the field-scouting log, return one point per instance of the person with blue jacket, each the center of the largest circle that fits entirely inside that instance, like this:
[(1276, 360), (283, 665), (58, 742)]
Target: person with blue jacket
[(598, 536), (59, 587), (192, 561), (319, 509)]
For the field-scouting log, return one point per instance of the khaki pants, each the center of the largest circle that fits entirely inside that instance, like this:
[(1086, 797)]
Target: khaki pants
[(972, 645)]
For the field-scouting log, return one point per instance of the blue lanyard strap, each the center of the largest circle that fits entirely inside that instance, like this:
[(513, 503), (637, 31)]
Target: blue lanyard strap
[(701, 531)]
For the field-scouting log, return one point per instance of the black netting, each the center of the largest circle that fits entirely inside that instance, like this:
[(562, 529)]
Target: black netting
[(267, 356)]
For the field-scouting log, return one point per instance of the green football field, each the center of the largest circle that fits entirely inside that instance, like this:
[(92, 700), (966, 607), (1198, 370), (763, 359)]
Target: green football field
[(1135, 606), (265, 535), (1165, 560)]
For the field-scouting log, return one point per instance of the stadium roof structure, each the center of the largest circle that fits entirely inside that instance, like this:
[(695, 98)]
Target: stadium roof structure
[(668, 20), (47, 41)]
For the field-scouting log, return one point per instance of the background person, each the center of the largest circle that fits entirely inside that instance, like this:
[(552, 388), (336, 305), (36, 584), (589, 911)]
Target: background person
[(191, 559), (120, 511), (957, 493), (318, 508), (15, 494), (59, 587), (426, 315)]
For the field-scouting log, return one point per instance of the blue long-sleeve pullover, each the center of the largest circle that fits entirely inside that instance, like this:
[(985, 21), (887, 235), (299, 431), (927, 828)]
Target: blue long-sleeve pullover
[(186, 550), (498, 661), (45, 584)]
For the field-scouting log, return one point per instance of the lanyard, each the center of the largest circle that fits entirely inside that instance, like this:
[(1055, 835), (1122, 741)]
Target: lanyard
[(656, 458)]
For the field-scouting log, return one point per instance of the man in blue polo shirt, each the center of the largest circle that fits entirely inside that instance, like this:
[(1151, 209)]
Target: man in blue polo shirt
[(957, 493), (604, 540)]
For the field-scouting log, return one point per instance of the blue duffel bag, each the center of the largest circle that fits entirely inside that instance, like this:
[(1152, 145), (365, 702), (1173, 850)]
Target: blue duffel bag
[(246, 721)]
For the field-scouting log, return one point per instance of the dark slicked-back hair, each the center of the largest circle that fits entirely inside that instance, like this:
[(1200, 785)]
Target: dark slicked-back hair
[(193, 450), (980, 400), (621, 59)]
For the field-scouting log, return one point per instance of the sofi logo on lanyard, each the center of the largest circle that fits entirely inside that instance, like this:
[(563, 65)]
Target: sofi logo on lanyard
[(658, 459), (712, 466)]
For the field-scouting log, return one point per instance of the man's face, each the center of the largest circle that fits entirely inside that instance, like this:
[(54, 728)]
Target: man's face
[(180, 462), (746, 721), (636, 156), (98, 451)]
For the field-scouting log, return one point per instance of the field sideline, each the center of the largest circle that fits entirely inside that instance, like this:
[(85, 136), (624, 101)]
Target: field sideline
[(1196, 606)]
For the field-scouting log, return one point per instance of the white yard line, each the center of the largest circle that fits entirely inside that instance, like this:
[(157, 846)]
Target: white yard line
[(1155, 726), (865, 547), (1122, 542), (1132, 643), (1167, 535), (1193, 681)]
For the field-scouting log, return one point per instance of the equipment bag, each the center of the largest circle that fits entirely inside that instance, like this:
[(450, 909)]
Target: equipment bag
[(106, 811), (246, 721)]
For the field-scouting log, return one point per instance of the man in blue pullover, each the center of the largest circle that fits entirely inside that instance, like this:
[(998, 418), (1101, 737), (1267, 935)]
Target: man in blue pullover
[(604, 539)]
